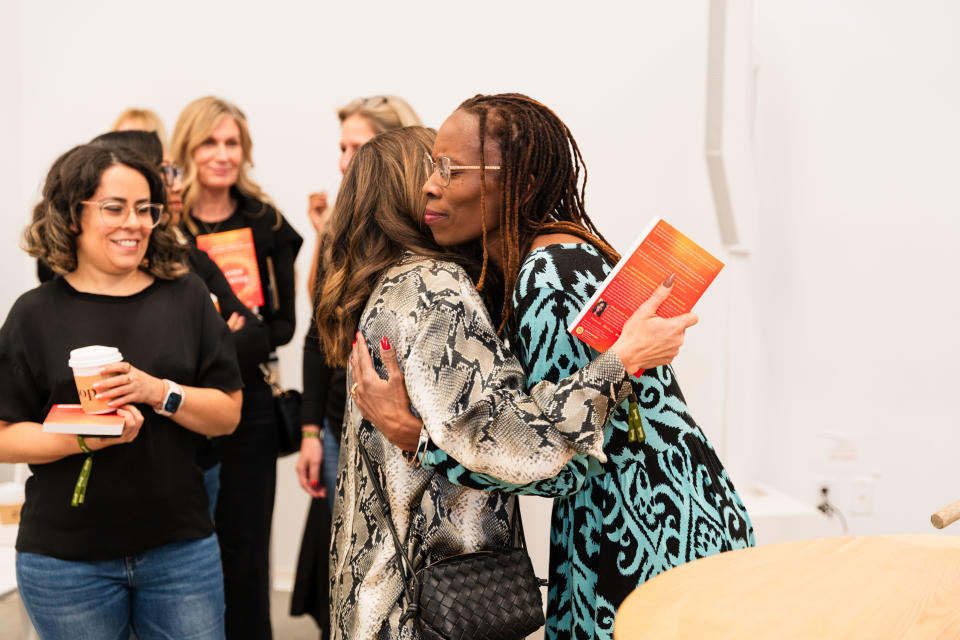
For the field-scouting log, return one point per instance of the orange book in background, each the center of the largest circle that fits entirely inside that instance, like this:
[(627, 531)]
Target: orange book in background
[(660, 251), (234, 253), (70, 418)]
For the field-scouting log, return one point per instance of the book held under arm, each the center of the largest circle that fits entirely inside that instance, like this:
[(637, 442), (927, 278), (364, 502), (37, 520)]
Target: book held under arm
[(70, 418), (660, 251)]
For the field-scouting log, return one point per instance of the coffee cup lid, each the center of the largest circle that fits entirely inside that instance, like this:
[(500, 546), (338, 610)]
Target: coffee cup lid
[(94, 356)]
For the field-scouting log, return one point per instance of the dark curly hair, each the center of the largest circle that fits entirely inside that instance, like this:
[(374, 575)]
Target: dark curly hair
[(75, 177)]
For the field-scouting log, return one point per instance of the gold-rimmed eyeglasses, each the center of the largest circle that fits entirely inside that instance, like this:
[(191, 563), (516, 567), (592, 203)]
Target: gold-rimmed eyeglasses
[(444, 169), (114, 212)]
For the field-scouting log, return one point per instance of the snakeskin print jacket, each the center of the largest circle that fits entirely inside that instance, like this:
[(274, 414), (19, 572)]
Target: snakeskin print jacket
[(468, 390)]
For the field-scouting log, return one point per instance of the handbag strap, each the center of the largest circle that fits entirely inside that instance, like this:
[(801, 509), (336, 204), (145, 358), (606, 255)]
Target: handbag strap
[(270, 379), (410, 584), (517, 537)]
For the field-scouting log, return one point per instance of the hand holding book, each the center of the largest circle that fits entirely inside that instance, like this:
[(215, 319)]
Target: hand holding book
[(629, 300), (100, 430), (648, 340)]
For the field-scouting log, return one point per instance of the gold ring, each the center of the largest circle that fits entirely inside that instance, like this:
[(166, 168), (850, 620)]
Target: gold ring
[(353, 390)]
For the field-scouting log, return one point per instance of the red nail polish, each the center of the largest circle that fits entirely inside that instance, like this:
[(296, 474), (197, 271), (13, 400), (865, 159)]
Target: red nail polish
[(384, 343), (315, 483)]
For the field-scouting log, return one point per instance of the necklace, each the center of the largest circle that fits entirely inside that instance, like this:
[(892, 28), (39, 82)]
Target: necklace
[(214, 227), (208, 227)]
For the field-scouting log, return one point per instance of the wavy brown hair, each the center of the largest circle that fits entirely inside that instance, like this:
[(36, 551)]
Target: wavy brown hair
[(74, 177), (195, 124), (543, 181), (377, 217)]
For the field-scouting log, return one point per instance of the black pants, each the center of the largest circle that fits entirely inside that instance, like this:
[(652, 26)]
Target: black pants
[(244, 513)]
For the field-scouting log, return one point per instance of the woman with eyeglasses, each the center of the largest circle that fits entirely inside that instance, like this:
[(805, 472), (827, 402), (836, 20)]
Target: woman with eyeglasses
[(506, 171), (115, 537), (212, 142)]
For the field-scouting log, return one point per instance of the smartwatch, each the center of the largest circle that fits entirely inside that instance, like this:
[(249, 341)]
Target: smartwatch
[(172, 399)]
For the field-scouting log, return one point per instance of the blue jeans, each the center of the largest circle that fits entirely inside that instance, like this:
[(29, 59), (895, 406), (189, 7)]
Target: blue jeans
[(172, 592), (331, 457)]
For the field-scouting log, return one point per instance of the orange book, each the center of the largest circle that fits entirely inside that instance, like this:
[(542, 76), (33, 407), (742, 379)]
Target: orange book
[(660, 251), (70, 418), (234, 253)]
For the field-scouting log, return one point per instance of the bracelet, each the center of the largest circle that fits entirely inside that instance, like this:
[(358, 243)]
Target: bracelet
[(304, 433), (83, 445)]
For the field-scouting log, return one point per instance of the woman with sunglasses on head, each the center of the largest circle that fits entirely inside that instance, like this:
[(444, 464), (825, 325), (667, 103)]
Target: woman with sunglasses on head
[(324, 389), (505, 170), (383, 273), (134, 549), (211, 141)]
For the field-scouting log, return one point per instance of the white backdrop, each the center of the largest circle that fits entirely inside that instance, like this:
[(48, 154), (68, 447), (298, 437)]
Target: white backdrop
[(835, 360)]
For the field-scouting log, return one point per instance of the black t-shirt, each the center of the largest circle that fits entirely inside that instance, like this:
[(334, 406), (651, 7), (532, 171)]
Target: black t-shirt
[(143, 494), (281, 244)]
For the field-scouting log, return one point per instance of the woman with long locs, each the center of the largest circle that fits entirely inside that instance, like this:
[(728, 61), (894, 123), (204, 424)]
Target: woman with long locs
[(506, 171)]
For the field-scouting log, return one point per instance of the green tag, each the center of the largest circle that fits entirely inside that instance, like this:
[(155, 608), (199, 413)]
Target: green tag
[(634, 423), (80, 490)]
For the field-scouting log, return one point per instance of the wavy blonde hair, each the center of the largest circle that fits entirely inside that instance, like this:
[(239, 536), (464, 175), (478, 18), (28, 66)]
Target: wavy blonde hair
[(195, 124), (75, 177), (377, 217), (145, 119), (384, 113)]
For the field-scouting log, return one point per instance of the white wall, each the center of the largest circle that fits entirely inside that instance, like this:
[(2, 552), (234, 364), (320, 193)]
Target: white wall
[(853, 138), (857, 140)]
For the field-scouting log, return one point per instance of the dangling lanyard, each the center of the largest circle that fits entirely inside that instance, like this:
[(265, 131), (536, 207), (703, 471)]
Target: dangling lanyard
[(80, 489)]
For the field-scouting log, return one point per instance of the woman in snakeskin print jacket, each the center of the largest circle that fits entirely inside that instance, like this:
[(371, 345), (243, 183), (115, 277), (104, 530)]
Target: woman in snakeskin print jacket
[(385, 276)]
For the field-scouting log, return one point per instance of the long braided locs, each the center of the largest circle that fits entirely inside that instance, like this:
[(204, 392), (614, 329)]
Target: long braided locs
[(541, 186)]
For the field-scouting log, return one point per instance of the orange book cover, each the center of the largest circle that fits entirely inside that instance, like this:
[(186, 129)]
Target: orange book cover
[(70, 418), (234, 253), (659, 251)]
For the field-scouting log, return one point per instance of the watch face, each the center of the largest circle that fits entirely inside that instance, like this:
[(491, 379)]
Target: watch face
[(173, 402)]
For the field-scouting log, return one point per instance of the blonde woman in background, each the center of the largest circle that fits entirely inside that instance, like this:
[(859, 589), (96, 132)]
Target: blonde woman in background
[(324, 387), (137, 119), (211, 141)]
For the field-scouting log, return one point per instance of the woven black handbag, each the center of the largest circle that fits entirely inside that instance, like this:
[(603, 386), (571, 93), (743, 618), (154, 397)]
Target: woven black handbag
[(286, 405), (486, 595)]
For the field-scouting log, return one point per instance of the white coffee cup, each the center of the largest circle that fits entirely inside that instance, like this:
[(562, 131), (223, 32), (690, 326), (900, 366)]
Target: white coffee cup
[(86, 363)]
